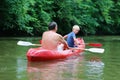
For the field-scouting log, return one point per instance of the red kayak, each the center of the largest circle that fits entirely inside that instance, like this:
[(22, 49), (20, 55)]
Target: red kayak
[(40, 54)]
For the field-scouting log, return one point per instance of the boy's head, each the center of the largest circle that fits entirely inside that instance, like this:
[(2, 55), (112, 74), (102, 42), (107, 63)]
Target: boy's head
[(76, 29), (52, 26)]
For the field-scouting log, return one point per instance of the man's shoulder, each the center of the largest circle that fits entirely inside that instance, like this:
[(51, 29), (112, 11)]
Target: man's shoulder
[(58, 34), (47, 32)]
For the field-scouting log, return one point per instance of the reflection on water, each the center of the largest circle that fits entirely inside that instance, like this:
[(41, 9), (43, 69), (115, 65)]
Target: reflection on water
[(94, 69), (54, 70), (20, 68)]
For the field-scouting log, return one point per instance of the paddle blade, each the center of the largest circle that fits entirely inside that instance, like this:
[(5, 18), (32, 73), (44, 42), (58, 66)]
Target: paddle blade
[(24, 43), (95, 44), (96, 50)]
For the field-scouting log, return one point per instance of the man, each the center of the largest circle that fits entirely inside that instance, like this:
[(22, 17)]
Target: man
[(71, 37), (50, 39)]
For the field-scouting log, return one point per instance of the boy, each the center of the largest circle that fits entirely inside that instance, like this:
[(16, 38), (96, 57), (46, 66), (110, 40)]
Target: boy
[(71, 37)]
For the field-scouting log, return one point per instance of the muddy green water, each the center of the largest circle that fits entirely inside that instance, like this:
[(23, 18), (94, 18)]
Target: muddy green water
[(88, 66)]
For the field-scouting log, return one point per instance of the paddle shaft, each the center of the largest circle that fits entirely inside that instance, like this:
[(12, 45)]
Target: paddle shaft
[(36, 45)]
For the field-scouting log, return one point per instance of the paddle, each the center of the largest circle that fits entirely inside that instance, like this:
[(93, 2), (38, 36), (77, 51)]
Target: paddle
[(94, 44), (94, 50), (25, 43)]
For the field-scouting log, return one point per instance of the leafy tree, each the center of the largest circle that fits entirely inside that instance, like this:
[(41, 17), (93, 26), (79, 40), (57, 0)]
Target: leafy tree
[(31, 17)]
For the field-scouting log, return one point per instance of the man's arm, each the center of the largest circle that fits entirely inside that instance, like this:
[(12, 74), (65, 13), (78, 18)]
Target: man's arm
[(65, 36), (61, 39)]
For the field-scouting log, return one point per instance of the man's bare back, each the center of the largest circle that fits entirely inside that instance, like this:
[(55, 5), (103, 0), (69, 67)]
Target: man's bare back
[(50, 40)]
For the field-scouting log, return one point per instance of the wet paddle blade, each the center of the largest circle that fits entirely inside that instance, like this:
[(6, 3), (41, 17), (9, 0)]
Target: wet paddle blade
[(24, 43), (95, 44), (96, 50)]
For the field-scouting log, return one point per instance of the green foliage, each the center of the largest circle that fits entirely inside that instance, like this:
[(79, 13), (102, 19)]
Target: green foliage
[(115, 14), (31, 17)]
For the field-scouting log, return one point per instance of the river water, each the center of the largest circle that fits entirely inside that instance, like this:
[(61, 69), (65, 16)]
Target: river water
[(88, 66)]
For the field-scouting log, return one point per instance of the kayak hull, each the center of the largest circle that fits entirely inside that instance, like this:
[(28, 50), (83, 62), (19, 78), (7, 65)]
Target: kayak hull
[(40, 54)]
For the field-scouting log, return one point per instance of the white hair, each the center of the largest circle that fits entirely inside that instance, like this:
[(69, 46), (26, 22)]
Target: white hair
[(76, 27)]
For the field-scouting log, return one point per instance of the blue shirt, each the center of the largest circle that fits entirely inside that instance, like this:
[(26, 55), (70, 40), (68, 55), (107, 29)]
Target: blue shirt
[(70, 39)]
